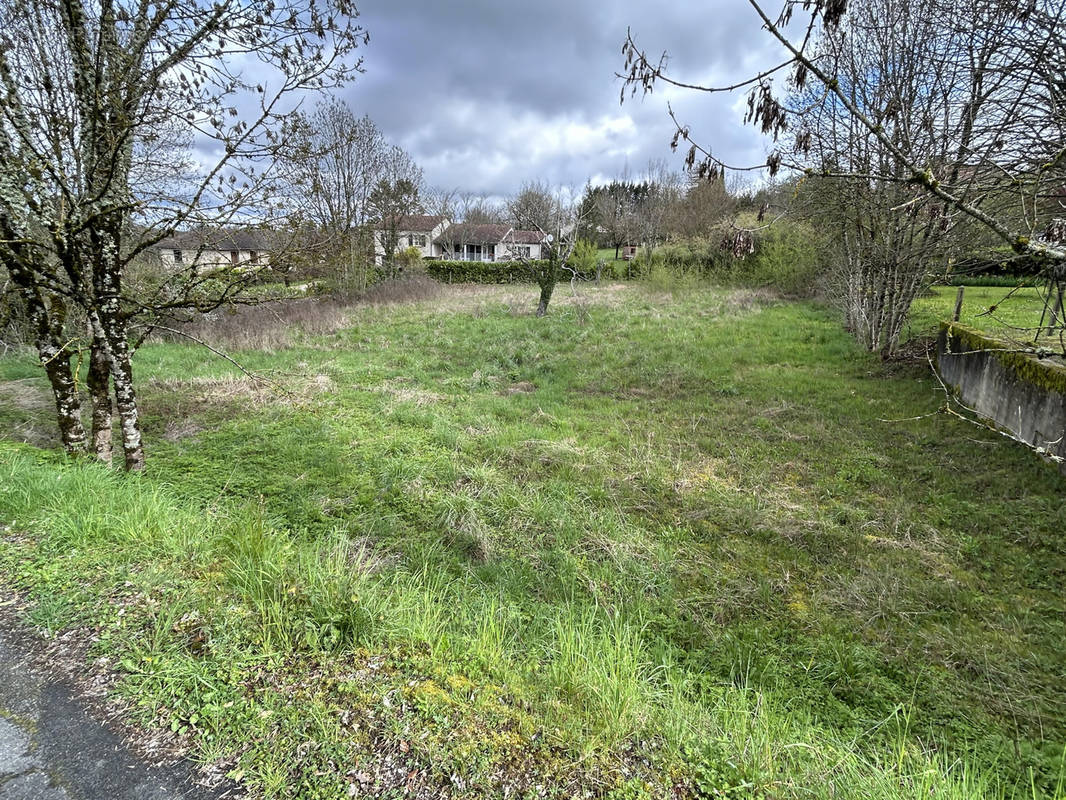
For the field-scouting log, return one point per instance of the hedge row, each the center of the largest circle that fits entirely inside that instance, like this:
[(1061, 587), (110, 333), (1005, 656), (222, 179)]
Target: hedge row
[(989, 280), (482, 272)]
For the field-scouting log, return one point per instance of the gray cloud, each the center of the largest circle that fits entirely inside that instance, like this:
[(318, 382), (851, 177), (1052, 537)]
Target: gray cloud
[(487, 95)]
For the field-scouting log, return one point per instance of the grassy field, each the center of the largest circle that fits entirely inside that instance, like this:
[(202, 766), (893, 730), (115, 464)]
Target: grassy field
[(648, 546), (1010, 313), (619, 266)]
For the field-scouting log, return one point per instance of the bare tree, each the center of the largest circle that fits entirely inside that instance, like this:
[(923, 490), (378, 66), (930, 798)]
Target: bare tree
[(99, 100), (477, 210), (440, 202), (662, 191), (611, 208), (948, 111), (537, 208), (702, 206), (352, 184), (533, 207), (335, 160), (890, 242)]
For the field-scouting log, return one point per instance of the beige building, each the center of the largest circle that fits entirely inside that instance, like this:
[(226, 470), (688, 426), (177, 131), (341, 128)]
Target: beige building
[(436, 238), (207, 250), (414, 230), (491, 242)]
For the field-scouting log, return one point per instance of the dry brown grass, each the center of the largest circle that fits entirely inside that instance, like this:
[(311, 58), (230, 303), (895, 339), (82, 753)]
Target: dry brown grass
[(27, 394), (743, 300), (413, 288), (281, 324), (34, 419), (521, 300), (243, 391), (402, 391), (269, 327)]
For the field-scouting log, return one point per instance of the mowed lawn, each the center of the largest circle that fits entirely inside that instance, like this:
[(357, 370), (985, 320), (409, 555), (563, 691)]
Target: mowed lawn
[(650, 546)]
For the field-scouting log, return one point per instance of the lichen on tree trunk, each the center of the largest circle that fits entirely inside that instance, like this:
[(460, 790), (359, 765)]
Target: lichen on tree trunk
[(56, 363), (55, 358), (99, 380), (115, 331)]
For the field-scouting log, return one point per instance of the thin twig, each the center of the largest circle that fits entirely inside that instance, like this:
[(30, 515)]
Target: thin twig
[(254, 376), (980, 423)]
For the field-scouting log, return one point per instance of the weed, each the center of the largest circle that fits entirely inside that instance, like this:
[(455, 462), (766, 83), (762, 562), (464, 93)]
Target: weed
[(659, 546)]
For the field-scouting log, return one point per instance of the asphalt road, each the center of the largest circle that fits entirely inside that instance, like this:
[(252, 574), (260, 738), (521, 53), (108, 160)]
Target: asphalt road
[(52, 749)]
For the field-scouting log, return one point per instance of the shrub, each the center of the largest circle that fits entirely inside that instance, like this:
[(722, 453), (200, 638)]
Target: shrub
[(483, 272), (787, 258), (583, 259), (1005, 280)]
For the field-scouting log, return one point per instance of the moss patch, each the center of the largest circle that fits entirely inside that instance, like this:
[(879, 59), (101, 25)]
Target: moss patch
[(1027, 367)]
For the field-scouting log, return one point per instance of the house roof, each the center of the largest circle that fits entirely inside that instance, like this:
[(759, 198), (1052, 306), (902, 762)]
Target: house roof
[(471, 233), (527, 237), (417, 223), (489, 233), (240, 239)]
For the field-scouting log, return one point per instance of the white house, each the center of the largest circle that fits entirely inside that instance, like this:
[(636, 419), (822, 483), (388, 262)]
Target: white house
[(414, 230), (488, 242), (206, 250)]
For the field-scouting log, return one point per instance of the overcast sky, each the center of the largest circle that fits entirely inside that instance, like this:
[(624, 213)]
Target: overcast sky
[(488, 94)]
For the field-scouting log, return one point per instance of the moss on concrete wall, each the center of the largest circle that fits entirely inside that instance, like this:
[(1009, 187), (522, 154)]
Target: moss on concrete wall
[(1027, 366)]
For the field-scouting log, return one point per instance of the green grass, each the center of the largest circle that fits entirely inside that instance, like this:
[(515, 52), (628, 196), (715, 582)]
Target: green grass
[(619, 266), (652, 545), (1001, 311)]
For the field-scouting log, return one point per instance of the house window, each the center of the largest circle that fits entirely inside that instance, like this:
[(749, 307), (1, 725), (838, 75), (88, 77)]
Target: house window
[(521, 251), (253, 256), (416, 240), (177, 257), (235, 257)]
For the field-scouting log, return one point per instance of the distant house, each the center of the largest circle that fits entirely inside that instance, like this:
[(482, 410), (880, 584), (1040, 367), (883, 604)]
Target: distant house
[(488, 242), (206, 249), (414, 230)]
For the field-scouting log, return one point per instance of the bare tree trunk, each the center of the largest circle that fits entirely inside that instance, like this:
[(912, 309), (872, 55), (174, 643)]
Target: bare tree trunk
[(49, 323), (1056, 310), (99, 380), (546, 289), (65, 391), (125, 394), (56, 362)]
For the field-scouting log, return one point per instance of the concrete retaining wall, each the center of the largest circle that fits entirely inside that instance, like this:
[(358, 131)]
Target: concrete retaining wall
[(1018, 392)]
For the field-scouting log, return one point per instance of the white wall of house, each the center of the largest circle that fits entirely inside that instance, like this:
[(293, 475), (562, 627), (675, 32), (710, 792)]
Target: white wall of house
[(420, 239), (174, 259), (508, 252), (500, 251)]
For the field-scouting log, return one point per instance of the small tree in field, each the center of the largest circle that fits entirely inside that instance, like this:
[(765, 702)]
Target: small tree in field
[(536, 208), (612, 209)]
